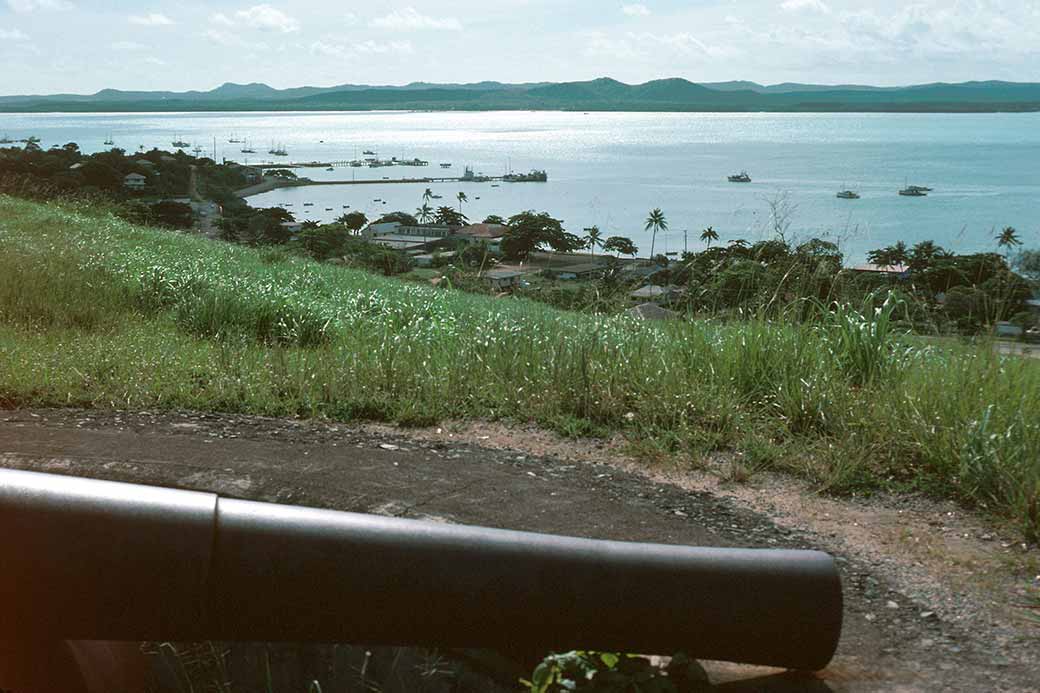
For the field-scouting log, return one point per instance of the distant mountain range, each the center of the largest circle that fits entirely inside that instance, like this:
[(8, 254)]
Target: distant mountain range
[(595, 95)]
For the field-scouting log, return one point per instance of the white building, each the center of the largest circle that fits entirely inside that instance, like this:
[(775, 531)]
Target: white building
[(134, 181)]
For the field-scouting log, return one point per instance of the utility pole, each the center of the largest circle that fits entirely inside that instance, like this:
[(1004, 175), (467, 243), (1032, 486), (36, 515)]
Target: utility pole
[(685, 245)]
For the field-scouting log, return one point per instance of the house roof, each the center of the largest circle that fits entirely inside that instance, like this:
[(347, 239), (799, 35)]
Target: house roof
[(882, 269), (502, 274), (483, 231), (581, 268), (652, 291), (652, 311), (134, 176)]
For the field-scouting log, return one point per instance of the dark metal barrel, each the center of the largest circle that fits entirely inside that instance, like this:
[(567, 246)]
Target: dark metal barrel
[(87, 559)]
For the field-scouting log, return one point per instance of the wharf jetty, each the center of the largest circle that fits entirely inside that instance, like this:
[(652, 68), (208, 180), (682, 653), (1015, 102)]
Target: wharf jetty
[(275, 183)]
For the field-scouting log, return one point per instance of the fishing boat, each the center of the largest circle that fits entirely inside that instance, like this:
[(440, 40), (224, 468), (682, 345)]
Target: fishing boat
[(109, 141), (848, 195), (247, 149), (235, 140), (180, 144), (197, 150), (919, 188), (328, 209), (741, 177), (445, 165), (346, 206), (368, 152), (278, 150), (308, 204), (913, 191)]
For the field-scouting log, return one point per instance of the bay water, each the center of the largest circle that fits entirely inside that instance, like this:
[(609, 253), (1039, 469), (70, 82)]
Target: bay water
[(611, 169)]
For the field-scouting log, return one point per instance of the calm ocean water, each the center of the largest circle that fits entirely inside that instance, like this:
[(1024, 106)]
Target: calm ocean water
[(610, 169)]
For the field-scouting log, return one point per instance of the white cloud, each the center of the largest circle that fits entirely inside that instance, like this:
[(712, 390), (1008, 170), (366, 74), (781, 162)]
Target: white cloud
[(805, 5), (636, 10), (128, 46), (152, 60), (336, 50), (395, 47), (230, 40), (262, 17), (151, 19), (13, 35), (409, 19), (682, 42), (27, 6)]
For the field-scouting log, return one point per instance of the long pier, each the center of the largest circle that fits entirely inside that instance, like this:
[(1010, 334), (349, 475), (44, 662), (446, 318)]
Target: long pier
[(274, 184)]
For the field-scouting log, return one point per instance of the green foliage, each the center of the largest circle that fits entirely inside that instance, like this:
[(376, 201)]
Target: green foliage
[(400, 217), (611, 672), (529, 231), (619, 245), (176, 215), (354, 221), (448, 216), (97, 312)]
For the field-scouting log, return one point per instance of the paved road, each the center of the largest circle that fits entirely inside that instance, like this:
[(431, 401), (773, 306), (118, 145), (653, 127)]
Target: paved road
[(346, 468)]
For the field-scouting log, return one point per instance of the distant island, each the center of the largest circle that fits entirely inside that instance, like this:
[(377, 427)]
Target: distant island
[(595, 95)]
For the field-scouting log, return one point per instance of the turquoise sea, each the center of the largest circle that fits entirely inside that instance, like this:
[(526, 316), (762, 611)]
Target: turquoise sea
[(610, 169)]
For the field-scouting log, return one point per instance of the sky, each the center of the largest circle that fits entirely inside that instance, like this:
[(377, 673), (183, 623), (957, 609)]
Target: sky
[(81, 46)]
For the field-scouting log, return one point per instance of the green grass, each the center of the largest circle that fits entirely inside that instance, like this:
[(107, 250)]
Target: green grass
[(96, 312)]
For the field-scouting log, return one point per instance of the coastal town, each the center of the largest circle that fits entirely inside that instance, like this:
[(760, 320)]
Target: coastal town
[(531, 254)]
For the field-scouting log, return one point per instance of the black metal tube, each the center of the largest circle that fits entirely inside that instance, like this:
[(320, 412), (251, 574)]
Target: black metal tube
[(103, 560)]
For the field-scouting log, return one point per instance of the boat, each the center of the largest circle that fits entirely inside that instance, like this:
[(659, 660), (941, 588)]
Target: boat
[(532, 177), (197, 149), (109, 141), (494, 185), (6, 140), (436, 197), (848, 195), (330, 168), (445, 165), (368, 152), (235, 140), (919, 188), (741, 177), (913, 191), (346, 206), (180, 144), (278, 150), (308, 204), (328, 209)]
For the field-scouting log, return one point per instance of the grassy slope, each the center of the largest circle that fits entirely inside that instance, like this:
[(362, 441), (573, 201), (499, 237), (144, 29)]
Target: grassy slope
[(96, 312)]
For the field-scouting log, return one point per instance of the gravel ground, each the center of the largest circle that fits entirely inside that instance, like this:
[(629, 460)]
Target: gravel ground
[(933, 595)]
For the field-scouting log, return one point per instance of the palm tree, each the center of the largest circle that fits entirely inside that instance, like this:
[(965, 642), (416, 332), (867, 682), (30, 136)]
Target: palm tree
[(462, 198), (657, 222), (427, 195), (593, 239), (424, 214), (708, 235), (900, 253), (1008, 239)]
